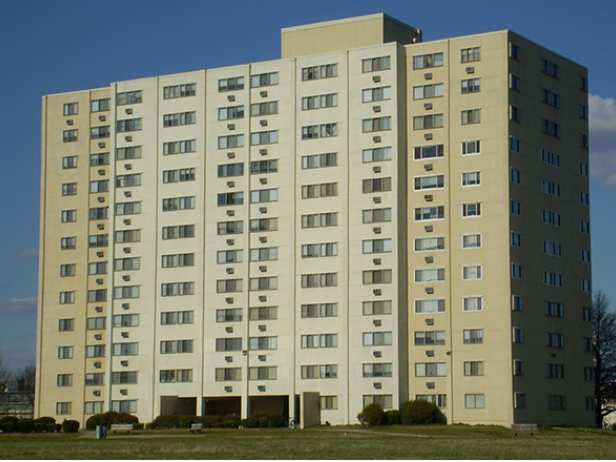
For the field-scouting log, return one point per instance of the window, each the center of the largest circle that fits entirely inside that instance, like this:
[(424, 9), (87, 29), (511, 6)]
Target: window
[(100, 240), (554, 309), (584, 169), (262, 313), (123, 378), (376, 64), (261, 109), (585, 256), (68, 243), (471, 85), (516, 207), (69, 189), (263, 80), (471, 116), (263, 225), (474, 401), (64, 408), (426, 61), (69, 136), (377, 338), (320, 101), (583, 140), (430, 370), (263, 343), (126, 349), (386, 401), (550, 68), (515, 114), (178, 260), (377, 277), (179, 147), (230, 84), (98, 105), (66, 325), (471, 272), (99, 186), (326, 249), (516, 239), (550, 98), (518, 367), (320, 72), (427, 121), (99, 213), (228, 374), (180, 175), (471, 210), (514, 51), (471, 241), (551, 218), (127, 264), (229, 285), (99, 159), (552, 248), (179, 91), (430, 338), (95, 351), (176, 317), (585, 227), (178, 232), (428, 244), (125, 181), (329, 159), (268, 137), (377, 370), (69, 162), (129, 97), (430, 275), (264, 254), (550, 187), (178, 203), (125, 320), (228, 170), (470, 54), (376, 154), (264, 195), (99, 295), (376, 185), (264, 283), (133, 152), (67, 298), (128, 125), (429, 182), (376, 94), (319, 190), (514, 82), (320, 310), (264, 166), (65, 352), (550, 158), (518, 303), (516, 271), (98, 323), (552, 278), (69, 216), (377, 246), (324, 371), (180, 118), (320, 131), (428, 152), (557, 402), (472, 303), (176, 375), (130, 235), (473, 368), (127, 405), (472, 335), (551, 128), (123, 292), (262, 373), (471, 147), (589, 374), (174, 289), (428, 91), (320, 220), (95, 379), (587, 314), (128, 208), (586, 285), (310, 281), (67, 270), (229, 315), (429, 306), (376, 215), (93, 407), (319, 341), (554, 340), (176, 346), (583, 83), (514, 144), (429, 213), (471, 179)]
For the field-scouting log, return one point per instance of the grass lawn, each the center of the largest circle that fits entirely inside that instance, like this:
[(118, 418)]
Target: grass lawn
[(395, 442)]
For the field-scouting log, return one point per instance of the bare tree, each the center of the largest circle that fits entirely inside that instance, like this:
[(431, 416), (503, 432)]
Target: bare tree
[(5, 375), (604, 352)]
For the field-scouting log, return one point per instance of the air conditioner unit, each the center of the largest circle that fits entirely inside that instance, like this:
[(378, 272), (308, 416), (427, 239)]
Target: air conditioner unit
[(98, 337), (430, 353), (263, 180), (102, 118), (98, 309), (263, 123), (69, 122), (128, 110), (263, 269), (376, 78), (100, 226), (430, 385), (428, 136), (100, 254), (126, 222), (429, 228), (261, 388), (126, 250), (376, 169), (230, 97), (124, 392), (128, 166), (262, 298), (429, 290), (101, 199), (229, 300), (124, 363), (263, 151), (230, 184), (263, 239), (428, 197), (97, 365), (231, 155), (128, 138), (230, 271), (231, 126), (229, 330), (429, 322), (376, 261), (263, 94), (230, 213), (377, 385), (377, 354), (262, 209), (376, 139), (470, 70), (101, 172), (228, 359), (126, 278), (428, 167), (376, 200), (128, 193), (101, 145), (376, 108), (377, 292), (124, 334), (262, 358), (228, 389), (377, 230), (428, 106), (429, 259), (428, 76), (125, 306), (262, 328), (99, 281), (377, 323), (96, 393)]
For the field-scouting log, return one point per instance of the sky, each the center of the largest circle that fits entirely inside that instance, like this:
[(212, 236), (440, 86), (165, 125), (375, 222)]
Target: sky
[(68, 45)]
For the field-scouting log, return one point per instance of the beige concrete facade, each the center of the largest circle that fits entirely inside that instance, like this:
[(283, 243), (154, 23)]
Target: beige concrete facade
[(370, 218)]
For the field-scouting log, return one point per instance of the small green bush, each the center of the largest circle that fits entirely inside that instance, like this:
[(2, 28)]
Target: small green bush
[(277, 421), (393, 417), (110, 417), (372, 414), (419, 412), (7, 427), (93, 421), (40, 427), (10, 419), (209, 421), (250, 422), (51, 427), (25, 426), (185, 421), (70, 426)]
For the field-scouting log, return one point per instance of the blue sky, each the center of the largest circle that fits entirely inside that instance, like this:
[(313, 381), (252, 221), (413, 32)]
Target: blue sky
[(61, 45)]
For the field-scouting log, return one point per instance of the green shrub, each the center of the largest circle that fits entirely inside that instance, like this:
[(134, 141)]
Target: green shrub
[(419, 412), (40, 427), (7, 427), (185, 421), (70, 426), (209, 421), (25, 426), (393, 417), (171, 421), (45, 420), (277, 421), (110, 417), (372, 414), (231, 421), (250, 422), (138, 426), (51, 427), (93, 421)]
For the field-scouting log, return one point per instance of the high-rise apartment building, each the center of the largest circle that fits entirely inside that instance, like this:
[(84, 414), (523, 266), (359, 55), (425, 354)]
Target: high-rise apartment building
[(370, 218)]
